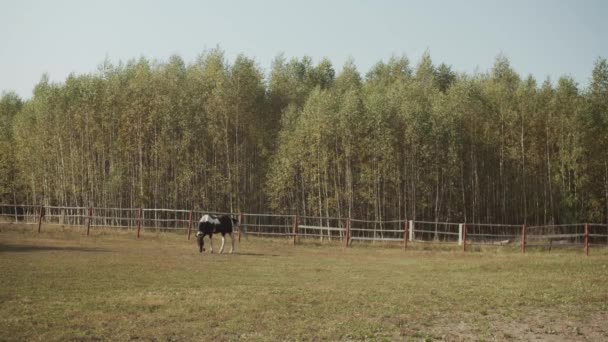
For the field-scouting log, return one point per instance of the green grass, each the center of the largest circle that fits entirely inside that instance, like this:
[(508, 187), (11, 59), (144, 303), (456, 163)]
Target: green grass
[(61, 285)]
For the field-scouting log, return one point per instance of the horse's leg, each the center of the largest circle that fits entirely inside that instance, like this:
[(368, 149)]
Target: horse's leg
[(222, 247), (232, 241), (210, 243)]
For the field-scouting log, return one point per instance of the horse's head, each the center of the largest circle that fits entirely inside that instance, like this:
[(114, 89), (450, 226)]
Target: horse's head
[(200, 241)]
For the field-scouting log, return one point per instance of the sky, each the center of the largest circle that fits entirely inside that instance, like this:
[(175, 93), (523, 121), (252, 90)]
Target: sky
[(541, 38)]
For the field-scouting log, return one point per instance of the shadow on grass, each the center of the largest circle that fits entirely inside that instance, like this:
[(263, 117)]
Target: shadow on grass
[(32, 248), (257, 254)]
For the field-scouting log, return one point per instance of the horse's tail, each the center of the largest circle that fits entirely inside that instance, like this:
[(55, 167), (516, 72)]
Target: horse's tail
[(241, 227)]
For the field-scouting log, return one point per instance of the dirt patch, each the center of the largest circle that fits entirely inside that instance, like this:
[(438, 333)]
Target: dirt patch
[(537, 326)]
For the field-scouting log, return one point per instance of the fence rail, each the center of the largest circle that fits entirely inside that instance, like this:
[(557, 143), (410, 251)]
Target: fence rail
[(347, 230)]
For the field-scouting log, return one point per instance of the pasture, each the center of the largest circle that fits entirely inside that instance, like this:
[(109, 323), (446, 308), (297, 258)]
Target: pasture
[(61, 285)]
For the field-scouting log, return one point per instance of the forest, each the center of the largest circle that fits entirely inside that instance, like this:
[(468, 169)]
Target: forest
[(405, 140)]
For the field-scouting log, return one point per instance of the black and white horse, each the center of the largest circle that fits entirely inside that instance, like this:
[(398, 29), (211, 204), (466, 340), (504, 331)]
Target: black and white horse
[(210, 224)]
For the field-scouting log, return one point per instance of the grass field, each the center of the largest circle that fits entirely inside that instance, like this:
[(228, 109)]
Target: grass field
[(61, 285)]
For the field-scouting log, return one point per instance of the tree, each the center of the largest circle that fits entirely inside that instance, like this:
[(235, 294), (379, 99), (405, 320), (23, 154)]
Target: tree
[(10, 105), (402, 142), (596, 140)]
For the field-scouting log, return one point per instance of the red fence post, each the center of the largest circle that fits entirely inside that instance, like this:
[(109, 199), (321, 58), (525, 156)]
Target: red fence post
[(295, 228), (40, 218), (240, 225), (405, 235), (189, 224), (586, 239), (464, 237), (89, 220), (523, 238), (139, 222), (347, 237)]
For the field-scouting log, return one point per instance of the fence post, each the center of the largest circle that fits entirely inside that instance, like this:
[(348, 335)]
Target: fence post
[(405, 235), (464, 237), (347, 237), (84, 217), (40, 218), (295, 228), (89, 220), (139, 221), (586, 239), (523, 238), (240, 225), (411, 230), (189, 224), (460, 234)]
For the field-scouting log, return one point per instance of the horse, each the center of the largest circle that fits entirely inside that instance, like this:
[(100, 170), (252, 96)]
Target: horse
[(210, 224)]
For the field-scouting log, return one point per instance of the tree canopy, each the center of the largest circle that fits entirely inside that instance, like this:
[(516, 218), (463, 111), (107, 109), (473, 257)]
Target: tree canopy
[(416, 141)]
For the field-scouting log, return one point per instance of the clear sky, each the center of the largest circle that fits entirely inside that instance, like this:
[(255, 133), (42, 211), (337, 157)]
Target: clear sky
[(542, 38)]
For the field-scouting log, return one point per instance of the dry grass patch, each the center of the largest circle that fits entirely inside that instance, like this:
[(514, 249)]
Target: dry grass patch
[(62, 285)]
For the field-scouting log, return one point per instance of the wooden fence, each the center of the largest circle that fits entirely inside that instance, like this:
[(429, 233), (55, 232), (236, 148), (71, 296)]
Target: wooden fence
[(348, 231)]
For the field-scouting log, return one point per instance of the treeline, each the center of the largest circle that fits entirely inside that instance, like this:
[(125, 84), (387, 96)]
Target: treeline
[(403, 141)]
